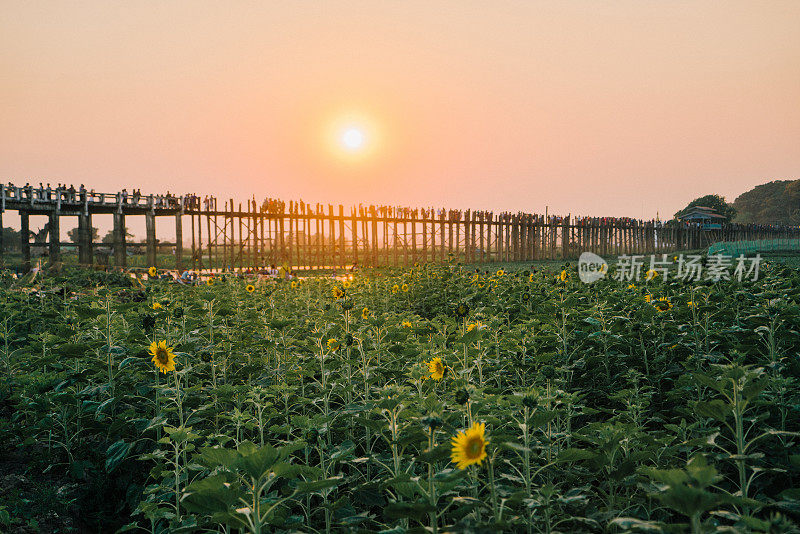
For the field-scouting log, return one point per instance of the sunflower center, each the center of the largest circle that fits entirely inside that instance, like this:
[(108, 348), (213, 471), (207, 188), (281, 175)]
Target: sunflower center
[(162, 355), (473, 448)]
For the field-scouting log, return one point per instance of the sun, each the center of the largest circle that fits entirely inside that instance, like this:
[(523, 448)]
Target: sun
[(353, 139)]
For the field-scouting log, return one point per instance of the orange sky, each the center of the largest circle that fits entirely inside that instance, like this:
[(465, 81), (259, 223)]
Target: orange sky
[(603, 108)]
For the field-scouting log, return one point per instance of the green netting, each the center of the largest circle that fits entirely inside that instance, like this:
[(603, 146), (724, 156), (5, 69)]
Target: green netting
[(735, 248)]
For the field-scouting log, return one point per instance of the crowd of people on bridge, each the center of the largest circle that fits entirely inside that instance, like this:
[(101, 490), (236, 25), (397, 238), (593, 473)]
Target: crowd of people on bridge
[(80, 195)]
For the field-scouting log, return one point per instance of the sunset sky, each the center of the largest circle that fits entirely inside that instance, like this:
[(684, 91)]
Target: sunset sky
[(623, 108)]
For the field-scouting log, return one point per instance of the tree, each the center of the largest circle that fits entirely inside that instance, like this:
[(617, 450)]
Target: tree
[(715, 202), (776, 202), (108, 239), (73, 234), (11, 239)]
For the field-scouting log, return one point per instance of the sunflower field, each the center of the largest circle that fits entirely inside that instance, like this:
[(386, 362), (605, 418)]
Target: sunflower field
[(435, 399)]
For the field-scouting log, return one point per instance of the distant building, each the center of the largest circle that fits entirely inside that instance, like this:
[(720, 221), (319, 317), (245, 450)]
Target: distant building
[(708, 217)]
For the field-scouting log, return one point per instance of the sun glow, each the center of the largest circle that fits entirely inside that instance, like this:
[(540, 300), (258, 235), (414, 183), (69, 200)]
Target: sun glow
[(352, 137)]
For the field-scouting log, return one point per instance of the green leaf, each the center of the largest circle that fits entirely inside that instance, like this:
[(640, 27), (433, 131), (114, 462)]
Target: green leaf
[(116, 453), (574, 455)]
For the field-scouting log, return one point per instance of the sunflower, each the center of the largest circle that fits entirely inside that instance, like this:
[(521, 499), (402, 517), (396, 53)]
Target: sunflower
[(530, 277), (500, 272), (436, 368), (650, 275), (293, 284), (404, 289), (407, 324), (210, 282), (333, 344), (631, 286), (152, 271), (346, 283), (469, 446), (475, 325), (663, 304), (691, 304), (250, 288), (395, 289), (648, 298), (163, 357), (157, 306), (563, 276), (338, 292), (365, 313)]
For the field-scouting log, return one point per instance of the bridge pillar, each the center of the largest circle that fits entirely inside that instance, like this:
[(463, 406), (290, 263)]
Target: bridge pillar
[(25, 243), (85, 254), (120, 259), (178, 241), (150, 227), (55, 238)]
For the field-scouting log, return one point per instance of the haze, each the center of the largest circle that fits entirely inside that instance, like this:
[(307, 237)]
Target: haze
[(593, 108)]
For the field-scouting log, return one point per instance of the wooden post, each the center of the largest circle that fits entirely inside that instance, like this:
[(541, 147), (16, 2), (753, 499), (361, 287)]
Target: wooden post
[(150, 228), (442, 249), (481, 219), (424, 216), (342, 255), (332, 231), (120, 258), (55, 237), (374, 216), (414, 237), (394, 235), (354, 230), (25, 243), (179, 240), (85, 256)]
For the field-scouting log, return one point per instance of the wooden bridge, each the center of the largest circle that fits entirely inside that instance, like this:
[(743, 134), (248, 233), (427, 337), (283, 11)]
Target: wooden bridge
[(227, 235)]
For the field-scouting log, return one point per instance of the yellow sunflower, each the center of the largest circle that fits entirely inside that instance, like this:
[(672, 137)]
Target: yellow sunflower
[(563, 276), (395, 288), (333, 344), (469, 446), (436, 368), (404, 288), (691, 304), (338, 292), (163, 357), (663, 304), (293, 284), (210, 282), (157, 306), (631, 286), (650, 275), (475, 325), (346, 284), (250, 288), (500, 272), (365, 313), (530, 277), (648, 298), (407, 324), (152, 271)]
